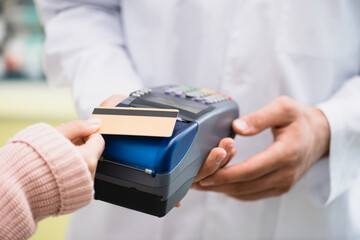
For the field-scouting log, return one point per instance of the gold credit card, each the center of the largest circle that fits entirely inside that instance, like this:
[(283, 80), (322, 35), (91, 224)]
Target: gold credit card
[(153, 122)]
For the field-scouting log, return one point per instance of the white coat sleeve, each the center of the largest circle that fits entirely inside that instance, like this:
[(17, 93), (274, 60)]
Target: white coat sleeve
[(342, 167), (85, 48)]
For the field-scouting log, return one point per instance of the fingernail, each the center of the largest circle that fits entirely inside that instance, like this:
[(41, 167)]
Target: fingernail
[(94, 121), (228, 149), (219, 159), (241, 124), (206, 183)]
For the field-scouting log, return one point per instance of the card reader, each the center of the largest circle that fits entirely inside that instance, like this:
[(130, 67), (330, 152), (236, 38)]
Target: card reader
[(152, 174)]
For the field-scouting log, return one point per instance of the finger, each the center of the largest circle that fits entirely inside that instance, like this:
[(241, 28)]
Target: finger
[(280, 178), (228, 157), (113, 100), (211, 164), (277, 113), (274, 192), (79, 128), (255, 167), (217, 158), (236, 188), (178, 204), (233, 189), (228, 145), (92, 150), (244, 195)]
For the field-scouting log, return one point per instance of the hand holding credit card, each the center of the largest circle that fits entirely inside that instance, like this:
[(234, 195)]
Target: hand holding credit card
[(153, 122)]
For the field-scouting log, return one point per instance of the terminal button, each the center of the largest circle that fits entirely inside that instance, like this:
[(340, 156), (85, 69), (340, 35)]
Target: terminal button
[(136, 95), (178, 94)]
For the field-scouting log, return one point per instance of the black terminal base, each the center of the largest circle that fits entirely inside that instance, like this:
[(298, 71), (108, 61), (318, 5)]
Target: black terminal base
[(137, 200)]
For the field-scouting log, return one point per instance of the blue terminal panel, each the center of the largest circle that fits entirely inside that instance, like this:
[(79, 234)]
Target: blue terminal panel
[(159, 154)]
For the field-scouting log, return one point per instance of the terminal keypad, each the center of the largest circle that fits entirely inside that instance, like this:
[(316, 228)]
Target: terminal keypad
[(201, 95)]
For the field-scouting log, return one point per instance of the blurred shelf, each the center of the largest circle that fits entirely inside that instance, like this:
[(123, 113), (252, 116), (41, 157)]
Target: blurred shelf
[(35, 100)]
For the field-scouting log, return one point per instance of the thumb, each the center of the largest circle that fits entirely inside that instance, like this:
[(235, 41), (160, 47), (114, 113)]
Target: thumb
[(113, 100), (92, 150), (79, 128), (279, 112)]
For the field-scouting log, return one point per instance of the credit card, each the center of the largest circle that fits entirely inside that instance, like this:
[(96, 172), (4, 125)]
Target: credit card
[(153, 122)]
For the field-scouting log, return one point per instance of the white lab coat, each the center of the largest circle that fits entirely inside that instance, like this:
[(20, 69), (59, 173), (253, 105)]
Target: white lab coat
[(252, 50)]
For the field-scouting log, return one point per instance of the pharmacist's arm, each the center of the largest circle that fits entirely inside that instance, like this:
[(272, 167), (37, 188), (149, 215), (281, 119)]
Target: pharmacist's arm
[(343, 165), (85, 48)]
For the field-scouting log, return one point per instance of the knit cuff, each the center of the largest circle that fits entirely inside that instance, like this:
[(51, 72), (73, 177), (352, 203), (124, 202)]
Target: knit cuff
[(69, 186)]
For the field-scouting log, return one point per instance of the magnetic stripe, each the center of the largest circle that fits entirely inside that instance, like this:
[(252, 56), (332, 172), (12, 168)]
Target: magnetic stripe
[(144, 113)]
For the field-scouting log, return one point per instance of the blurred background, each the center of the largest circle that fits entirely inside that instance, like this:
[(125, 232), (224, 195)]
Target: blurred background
[(25, 97)]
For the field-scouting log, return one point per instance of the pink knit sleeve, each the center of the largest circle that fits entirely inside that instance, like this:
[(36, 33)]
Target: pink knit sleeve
[(41, 174)]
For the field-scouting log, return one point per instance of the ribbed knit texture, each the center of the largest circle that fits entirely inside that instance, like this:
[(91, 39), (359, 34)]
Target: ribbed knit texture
[(41, 174)]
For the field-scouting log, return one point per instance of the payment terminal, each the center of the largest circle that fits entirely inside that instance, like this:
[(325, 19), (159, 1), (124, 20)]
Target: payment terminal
[(152, 174)]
